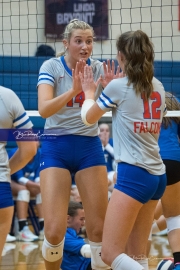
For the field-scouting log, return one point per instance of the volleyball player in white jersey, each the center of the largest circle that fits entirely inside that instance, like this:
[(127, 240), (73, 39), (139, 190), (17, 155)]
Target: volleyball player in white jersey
[(12, 115), (75, 148), (170, 153), (137, 102)]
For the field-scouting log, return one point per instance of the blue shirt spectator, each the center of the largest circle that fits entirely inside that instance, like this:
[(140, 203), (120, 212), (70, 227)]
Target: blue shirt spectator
[(76, 253)]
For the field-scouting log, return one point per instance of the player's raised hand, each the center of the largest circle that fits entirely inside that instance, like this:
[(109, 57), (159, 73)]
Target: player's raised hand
[(77, 87), (109, 73), (87, 80)]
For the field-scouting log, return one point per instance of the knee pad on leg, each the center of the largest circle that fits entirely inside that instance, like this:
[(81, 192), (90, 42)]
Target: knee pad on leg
[(52, 253), (38, 199), (96, 261), (23, 195), (173, 223)]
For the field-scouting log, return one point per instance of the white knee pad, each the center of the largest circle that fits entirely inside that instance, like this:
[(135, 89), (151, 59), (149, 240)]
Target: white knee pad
[(52, 253), (173, 223), (38, 198), (23, 195), (96, 261)]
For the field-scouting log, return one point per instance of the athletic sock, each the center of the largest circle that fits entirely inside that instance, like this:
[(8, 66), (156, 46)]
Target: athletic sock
[(41, 224), (144, 263), (176, 256), (22, 223), (124, 262)]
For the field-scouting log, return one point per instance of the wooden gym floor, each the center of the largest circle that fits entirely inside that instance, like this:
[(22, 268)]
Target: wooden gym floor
[(27, 255)]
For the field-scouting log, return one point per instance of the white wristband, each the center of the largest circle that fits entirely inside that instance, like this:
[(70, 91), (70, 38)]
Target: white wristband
[(88, 103), (23, 180)]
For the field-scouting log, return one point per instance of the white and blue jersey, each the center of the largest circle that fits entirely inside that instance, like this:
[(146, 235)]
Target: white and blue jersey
[(136, 123), (12, 116), (67, 120), (169, 143), (72, 258), (109, 156), (69, 150)]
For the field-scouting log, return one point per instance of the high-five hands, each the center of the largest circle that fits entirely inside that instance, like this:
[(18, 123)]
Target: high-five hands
[(83, 76), (77, 86), (87, 80), (109, 73)]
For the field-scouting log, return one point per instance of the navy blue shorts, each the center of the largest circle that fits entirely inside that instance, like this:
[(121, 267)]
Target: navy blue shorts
[(72, 152), (172, 171), (6, 198), (139, 184)]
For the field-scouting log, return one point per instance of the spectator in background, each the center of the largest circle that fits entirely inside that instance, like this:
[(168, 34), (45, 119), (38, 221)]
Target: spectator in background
[(26, 184), (12, 115), (107, 144), (74, 196), (45, 50), (170, 153), (77, 253)]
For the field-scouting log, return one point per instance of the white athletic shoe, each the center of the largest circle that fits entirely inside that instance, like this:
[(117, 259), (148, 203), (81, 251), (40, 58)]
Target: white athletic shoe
[(10, 238), (26, 235)]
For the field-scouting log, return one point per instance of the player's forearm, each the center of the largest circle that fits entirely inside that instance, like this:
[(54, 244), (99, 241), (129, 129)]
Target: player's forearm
[(22, 156), (89, 95), (50, 107)]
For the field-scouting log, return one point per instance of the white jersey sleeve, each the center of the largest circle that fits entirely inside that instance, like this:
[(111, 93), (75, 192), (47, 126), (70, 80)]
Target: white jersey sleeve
[(49, 71), (12, 115), (67, 120), (136, 123)]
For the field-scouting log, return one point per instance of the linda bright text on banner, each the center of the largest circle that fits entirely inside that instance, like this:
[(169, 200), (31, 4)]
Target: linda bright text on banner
[(58, 13)]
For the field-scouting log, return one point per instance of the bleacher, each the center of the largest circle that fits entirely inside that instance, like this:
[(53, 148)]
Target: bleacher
[(21, 75)]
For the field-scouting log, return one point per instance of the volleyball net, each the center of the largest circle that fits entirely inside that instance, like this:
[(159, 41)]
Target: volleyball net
[(27, 24)]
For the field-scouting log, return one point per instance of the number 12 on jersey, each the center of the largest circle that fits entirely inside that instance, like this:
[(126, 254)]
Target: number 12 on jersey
[(152, 106)]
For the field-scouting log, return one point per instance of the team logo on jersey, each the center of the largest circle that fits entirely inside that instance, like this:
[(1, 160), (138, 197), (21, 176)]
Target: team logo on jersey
[(59, 79), (41, 164)]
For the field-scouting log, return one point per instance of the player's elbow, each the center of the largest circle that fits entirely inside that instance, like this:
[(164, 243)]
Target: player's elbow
[(43, 113)]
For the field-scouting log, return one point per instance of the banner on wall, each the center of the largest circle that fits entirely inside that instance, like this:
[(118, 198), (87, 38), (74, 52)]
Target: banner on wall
[(58, 13)]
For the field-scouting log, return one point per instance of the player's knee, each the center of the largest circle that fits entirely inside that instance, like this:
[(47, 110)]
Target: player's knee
[(96, 259), (173, 223), (52, 253), (23, 195)]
